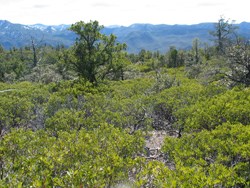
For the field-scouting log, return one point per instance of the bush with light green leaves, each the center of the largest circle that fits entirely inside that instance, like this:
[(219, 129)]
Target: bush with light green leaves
[(98, 158), (232, 106), (211, 158)]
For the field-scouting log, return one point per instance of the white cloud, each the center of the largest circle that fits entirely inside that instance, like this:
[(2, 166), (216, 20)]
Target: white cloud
[(40, 6), (122, 12)]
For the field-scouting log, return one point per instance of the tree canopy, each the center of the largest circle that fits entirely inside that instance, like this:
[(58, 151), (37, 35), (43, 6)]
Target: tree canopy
[(93, 51)]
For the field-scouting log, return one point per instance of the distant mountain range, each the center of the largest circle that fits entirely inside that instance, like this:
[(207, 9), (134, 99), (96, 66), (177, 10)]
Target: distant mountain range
[(137, 36)]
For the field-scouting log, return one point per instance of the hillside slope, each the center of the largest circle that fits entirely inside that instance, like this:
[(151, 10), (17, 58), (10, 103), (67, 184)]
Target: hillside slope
[(137, 36)]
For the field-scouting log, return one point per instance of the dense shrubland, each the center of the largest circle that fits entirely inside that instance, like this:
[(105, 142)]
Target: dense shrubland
[(67, 124)]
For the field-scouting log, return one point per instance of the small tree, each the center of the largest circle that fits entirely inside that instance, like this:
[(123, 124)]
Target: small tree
[(175, 58), (2, 64), (93, 50), (34, 49), (222, 33), (239, 63), (195, 50)]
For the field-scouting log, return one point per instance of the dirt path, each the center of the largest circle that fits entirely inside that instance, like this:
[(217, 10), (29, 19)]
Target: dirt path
[(154, 144)]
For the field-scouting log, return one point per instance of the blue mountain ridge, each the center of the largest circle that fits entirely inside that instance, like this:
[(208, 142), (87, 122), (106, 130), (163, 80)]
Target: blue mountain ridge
[(137, 36)]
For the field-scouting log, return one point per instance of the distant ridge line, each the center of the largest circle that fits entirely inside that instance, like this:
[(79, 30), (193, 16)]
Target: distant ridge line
[(153, 37)]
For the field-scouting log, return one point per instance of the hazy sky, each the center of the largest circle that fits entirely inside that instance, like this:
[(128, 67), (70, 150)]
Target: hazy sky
[(123, 12)]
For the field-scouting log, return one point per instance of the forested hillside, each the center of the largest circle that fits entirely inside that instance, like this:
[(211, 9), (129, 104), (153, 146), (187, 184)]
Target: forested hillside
[(137, 36), (94, 115)]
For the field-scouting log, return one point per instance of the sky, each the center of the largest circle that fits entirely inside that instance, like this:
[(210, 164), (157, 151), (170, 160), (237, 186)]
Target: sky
[(123, 12)]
